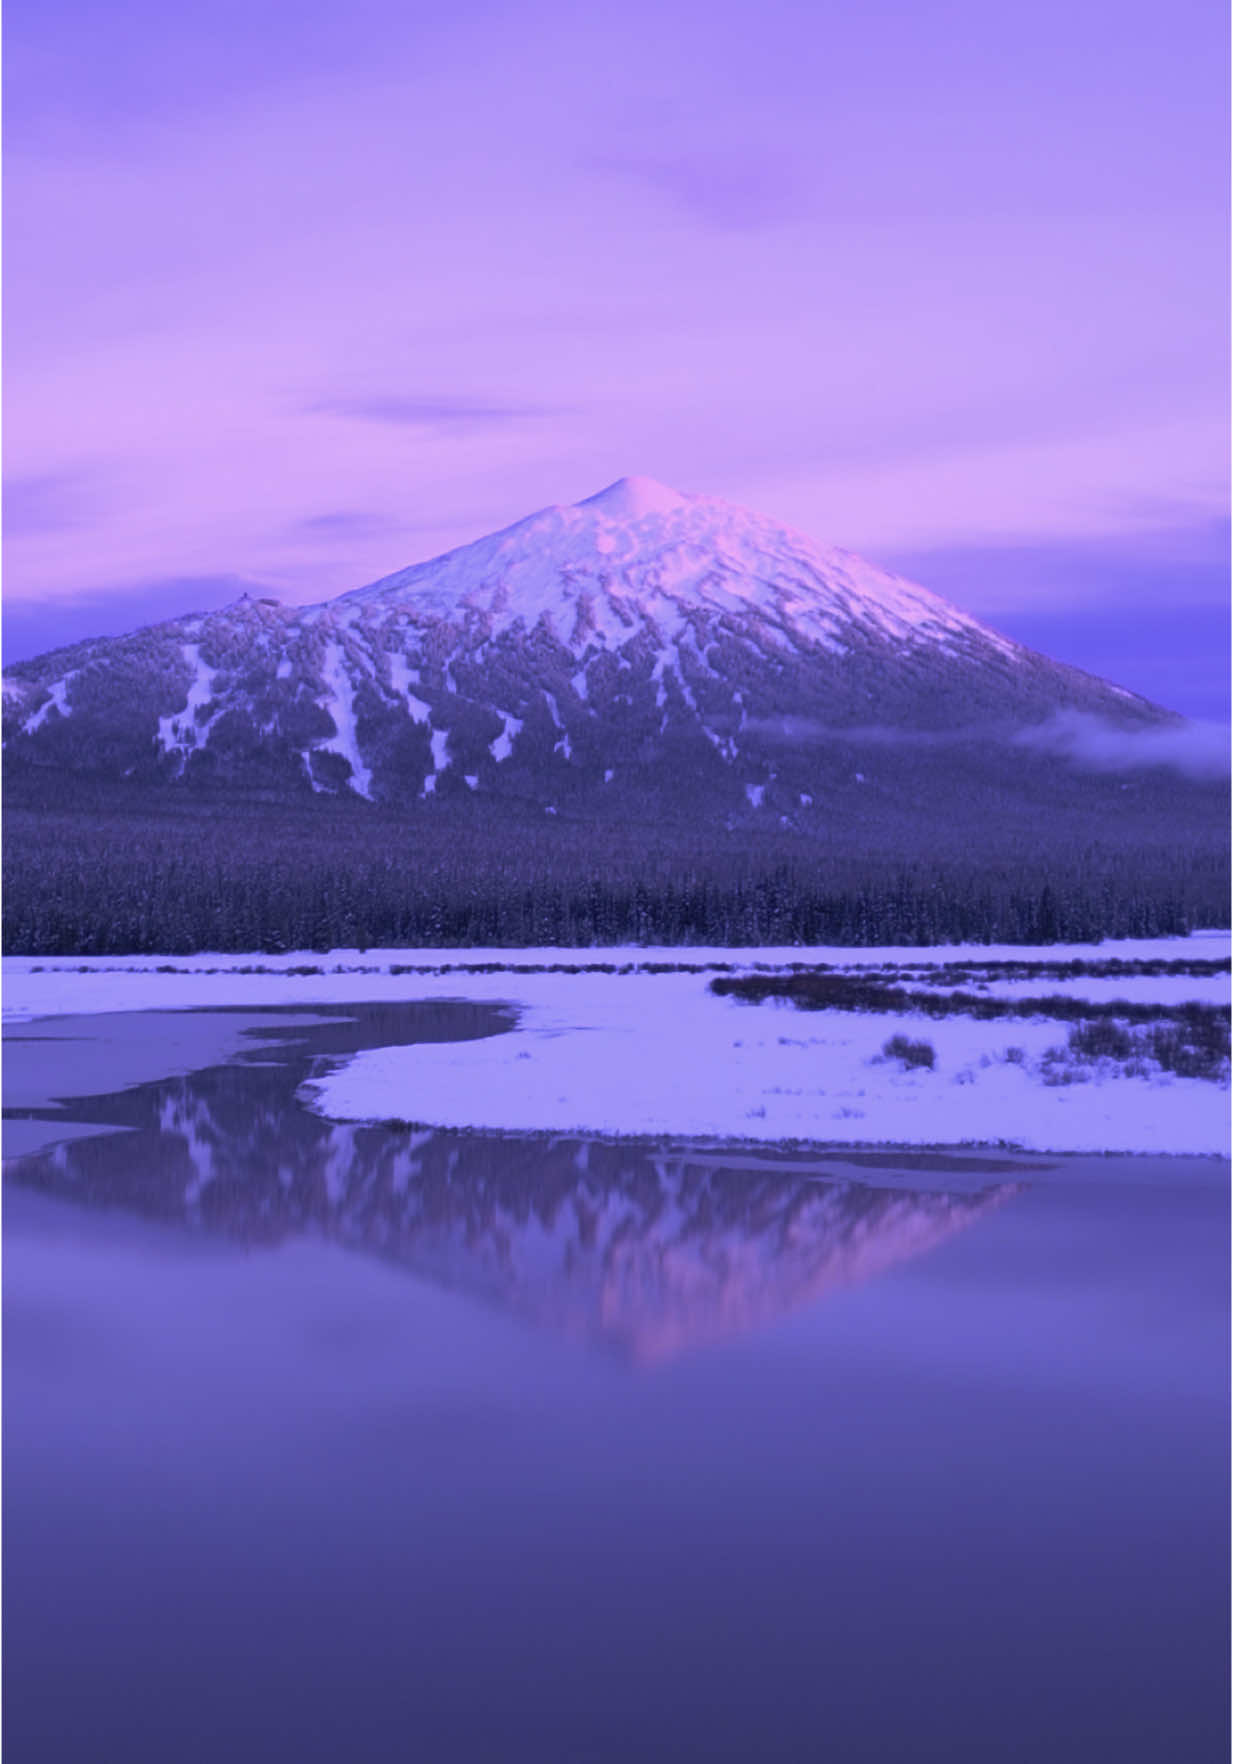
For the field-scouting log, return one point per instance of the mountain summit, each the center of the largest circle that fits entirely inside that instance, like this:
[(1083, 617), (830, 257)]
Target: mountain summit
[(638, 553), (641, 641)]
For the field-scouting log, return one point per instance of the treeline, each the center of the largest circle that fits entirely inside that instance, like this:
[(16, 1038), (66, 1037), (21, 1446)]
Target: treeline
[(261, 877)]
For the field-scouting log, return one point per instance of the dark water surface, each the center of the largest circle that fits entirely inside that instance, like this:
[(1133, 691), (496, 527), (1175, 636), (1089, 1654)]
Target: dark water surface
[(329, 1442)]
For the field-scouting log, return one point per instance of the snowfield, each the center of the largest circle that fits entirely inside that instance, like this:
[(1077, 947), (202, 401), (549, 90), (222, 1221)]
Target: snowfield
[(645, 1053), (661, 1055)]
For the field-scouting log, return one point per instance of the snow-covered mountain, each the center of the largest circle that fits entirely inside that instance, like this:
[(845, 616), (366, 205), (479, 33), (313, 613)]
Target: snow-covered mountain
[(641, 640)]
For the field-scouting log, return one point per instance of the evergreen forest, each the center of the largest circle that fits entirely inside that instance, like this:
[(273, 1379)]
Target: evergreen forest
[(173, 872)]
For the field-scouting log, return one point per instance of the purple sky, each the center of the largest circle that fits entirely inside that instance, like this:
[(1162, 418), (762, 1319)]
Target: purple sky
[(296, 296)]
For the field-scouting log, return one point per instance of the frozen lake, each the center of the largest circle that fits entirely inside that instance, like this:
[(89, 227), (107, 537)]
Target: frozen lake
[(357, 1441)]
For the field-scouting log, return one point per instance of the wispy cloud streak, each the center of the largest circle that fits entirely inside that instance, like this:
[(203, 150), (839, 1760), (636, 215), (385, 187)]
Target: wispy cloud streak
[(434, 412), (1195, 749)]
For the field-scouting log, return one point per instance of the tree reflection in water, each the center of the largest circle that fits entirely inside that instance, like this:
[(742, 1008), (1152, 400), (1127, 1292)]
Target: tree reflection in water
[(643, 1249)]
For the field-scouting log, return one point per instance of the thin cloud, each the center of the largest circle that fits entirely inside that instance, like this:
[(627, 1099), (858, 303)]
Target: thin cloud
[(1186, 563), (739, 192), (349, 524), (47, 502), (1195, 749), (809, 732), (424, 412), (793, 731)]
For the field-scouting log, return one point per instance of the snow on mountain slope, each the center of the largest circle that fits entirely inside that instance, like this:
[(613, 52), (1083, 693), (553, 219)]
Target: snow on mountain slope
[(640, 552), (641, 638)]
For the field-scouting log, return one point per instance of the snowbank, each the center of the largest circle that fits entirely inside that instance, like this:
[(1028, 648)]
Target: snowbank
[(646, 1053), (662, 1055)]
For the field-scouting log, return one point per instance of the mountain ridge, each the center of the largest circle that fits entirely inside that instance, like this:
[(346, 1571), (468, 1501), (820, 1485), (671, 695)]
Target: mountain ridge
[(645, 638)]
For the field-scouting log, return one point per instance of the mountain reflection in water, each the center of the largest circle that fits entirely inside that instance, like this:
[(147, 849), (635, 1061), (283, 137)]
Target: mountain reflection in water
[(648, 1251)]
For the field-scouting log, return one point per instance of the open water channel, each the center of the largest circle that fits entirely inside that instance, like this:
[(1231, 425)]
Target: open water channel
[(373, 1443)]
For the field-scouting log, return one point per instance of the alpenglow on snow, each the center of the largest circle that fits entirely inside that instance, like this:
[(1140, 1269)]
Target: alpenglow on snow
[(641, 640)]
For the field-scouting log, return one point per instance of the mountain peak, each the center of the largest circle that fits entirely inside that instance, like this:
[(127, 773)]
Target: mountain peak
[(639, 555), (631, 498), (641, 632)]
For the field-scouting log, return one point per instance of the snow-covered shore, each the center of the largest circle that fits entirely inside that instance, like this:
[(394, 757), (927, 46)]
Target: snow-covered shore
[(37, 986), (662, 1055), (658, 1053)]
